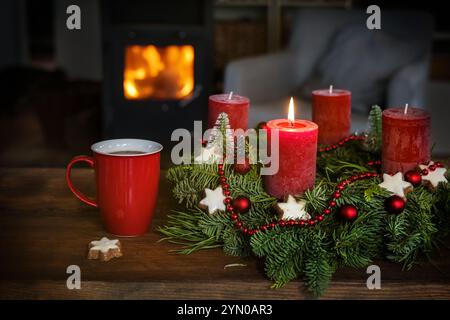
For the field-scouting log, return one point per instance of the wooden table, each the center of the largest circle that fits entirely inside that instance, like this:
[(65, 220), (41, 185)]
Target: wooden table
[(44, 229)]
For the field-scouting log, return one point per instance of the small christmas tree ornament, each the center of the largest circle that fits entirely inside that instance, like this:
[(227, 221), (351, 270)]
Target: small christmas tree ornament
[(221, 136), (348, 212), (242, 168), (213, 201), (394, 204), (241, 204), (292, 209), (396, 184), (413, 177), (374, 138)]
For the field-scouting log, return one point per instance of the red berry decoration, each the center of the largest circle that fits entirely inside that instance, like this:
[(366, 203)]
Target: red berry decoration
[(348, 212), (394, 204), (241, 204), (413, 177), (242, 168)]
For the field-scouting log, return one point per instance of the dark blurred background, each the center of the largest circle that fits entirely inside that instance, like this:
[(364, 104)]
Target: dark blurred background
[(140, 68)]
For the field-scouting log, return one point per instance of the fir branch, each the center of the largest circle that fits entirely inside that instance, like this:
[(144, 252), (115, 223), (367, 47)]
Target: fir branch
[(411, 232), (282, 251), (441, 211), (317, 197), (318, 268), (356, 244), (195, 180), (235, 243), (178, 173), (214, 225), (183, 229)]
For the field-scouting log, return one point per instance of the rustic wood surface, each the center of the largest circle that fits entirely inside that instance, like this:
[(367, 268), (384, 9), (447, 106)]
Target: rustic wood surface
[(44, 229)]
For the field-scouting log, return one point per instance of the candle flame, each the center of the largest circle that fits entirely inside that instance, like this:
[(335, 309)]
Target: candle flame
[(406, 109), (291, 116)]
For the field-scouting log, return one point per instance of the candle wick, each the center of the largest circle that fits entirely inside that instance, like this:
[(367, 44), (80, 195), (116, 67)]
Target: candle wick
[(406, 109), (331, 89), (230, 95)]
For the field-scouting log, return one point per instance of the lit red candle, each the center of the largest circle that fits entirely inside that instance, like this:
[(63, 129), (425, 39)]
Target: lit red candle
[(331, 111), (297, 155), (406, 138), (235, 106)]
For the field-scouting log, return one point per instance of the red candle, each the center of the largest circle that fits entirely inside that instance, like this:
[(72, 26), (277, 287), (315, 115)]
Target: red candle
[(297, 156), (406, 138), (235, 106), (331, 112)]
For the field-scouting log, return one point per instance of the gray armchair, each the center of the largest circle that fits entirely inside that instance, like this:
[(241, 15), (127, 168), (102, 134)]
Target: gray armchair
[(388, 66)]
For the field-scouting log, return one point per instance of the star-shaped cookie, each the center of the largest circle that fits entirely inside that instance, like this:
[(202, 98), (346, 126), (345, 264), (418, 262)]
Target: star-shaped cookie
[(396, 184), (207, 155), (293, 209), (213, 200), (104, 249), (434, 177)]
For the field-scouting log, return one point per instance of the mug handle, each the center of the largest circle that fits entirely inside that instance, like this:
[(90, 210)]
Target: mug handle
[(75, 191)]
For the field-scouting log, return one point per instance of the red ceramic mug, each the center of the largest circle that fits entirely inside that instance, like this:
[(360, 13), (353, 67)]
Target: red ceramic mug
[(127, 177)]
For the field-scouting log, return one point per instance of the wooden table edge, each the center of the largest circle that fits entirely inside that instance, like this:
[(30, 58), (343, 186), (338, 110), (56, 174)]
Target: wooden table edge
[(231, 290)]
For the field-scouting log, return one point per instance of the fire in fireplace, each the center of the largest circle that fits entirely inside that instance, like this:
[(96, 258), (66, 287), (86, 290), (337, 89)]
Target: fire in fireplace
[(157, 66), (163, 73)]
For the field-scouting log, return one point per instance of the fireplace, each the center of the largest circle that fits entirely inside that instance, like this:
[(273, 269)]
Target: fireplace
[(157, 66)]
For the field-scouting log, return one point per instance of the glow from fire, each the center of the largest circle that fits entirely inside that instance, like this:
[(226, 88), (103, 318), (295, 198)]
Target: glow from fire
[(158, 72)]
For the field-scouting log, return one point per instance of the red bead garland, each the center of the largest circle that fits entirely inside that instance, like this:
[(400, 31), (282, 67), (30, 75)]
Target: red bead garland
[(234, 210), (341, 143), (431, 167), (374, 163)]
